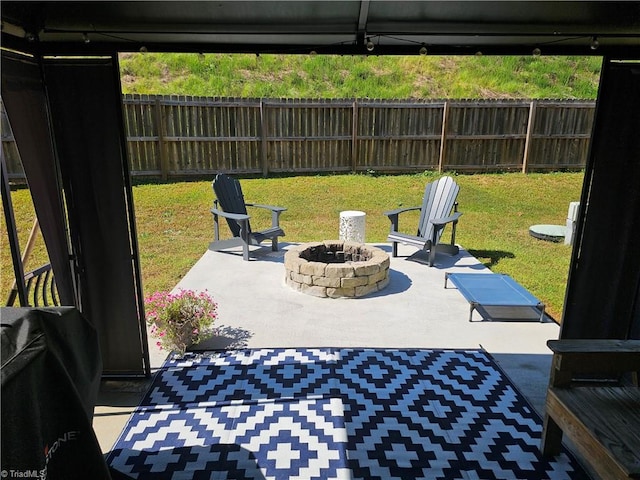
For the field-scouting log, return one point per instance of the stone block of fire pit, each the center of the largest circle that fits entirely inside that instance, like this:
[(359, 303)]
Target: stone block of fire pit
[(336, 269)]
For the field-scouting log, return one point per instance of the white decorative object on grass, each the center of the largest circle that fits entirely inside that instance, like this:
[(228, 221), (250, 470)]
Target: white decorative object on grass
[(572, 218), (352, 226)]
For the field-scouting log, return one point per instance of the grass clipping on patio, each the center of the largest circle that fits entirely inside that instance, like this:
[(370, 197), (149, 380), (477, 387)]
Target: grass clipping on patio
[(175, 226)]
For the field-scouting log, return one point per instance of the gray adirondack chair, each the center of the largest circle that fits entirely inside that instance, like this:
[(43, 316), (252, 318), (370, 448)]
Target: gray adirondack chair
[(439, 208), (230, 205)]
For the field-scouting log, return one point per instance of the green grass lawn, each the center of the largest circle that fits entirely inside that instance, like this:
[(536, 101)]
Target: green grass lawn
[(175, 226), (337, 76)]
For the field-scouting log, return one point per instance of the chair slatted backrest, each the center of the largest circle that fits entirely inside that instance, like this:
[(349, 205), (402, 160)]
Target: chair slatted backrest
[(438, 201), (229, 195), (40, 286)]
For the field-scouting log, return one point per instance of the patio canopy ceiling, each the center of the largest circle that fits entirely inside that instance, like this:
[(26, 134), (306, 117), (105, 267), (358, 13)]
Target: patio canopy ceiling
[(335, 27)]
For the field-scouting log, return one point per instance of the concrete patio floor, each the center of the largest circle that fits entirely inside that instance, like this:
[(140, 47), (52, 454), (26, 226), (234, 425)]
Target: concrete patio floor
[(257, 310)]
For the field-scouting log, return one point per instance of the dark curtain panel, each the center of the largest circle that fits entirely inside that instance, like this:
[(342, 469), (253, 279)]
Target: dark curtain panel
[(24, 99), (12, 237), (84, 98), (604, 279), (635, 323)]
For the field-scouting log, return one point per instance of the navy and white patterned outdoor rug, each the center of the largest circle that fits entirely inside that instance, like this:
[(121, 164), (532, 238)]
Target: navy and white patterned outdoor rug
[(330, 413)]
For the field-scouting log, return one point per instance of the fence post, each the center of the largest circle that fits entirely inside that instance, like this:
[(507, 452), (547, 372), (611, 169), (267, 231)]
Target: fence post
[(527, 142), (263, 140), (443, 136), (164, 161), (354, 137)]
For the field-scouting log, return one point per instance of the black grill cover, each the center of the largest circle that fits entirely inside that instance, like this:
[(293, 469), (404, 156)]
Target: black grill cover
[(50, 375)]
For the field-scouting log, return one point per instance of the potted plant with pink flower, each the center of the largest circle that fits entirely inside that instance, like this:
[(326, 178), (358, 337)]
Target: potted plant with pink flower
[(180, 320)]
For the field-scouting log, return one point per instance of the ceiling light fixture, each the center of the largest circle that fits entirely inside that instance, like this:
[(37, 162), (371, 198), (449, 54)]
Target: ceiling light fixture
[(594, 43), (85, 38), (536, 52), (423, 50)]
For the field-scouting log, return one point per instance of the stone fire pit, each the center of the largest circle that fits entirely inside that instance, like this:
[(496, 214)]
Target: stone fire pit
[(336, 269)]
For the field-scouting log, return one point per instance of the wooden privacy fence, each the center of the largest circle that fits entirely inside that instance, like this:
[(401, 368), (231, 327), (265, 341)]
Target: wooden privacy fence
[(171, 136)]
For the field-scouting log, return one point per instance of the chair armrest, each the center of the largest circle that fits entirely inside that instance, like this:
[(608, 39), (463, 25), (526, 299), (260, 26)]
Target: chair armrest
[(232, 216), (275, 212), (394, 213), (268, 207), (445, 220)]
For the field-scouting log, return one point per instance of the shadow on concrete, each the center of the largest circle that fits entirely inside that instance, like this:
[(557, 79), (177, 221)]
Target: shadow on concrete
[(398, 283), (225, 337), (260, 254), (444, 261), (529, 373), (509, 314), (490, 258)]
